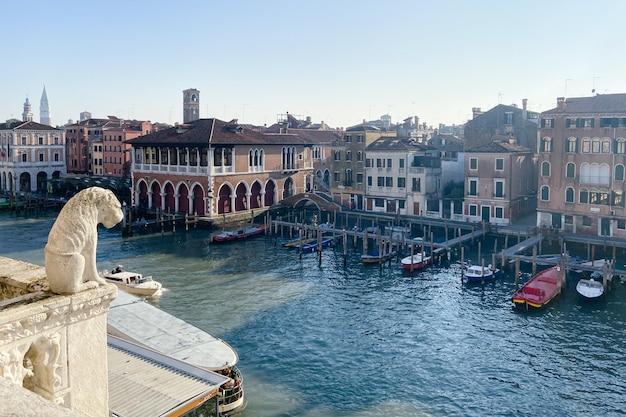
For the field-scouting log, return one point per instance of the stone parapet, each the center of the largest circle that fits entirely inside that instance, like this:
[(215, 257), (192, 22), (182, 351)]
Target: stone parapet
[(54, 345)]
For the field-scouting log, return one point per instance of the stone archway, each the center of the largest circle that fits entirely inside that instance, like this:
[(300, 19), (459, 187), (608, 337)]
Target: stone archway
[(255, 195), (270, 190), (241, 202), (24, 182), (183, 198), (156, 196), (288, 188), (223, 204), (170, 200), (198, 200)]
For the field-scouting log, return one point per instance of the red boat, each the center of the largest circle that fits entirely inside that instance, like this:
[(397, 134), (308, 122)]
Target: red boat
[(227, 236), (539, 291), (417, 261)]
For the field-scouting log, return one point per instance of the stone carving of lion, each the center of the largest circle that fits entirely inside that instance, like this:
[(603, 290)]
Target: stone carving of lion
[(70, 254)]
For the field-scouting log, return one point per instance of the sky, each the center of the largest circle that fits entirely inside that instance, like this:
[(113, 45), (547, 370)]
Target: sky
[(338, 61)]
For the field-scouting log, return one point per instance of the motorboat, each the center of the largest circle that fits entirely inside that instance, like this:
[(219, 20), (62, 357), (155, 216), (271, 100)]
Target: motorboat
[(133, 319), (539, 290), (416, 262), (477, 273), (132, 282), (229, 236), (590, 289), (375, 256)]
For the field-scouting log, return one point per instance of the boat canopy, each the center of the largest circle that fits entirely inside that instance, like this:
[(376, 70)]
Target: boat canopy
[(132, 318)]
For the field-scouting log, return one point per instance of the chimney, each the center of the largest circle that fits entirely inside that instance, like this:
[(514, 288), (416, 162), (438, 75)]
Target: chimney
[(512, 140), (476, 112), (560, 103), (524, 112)]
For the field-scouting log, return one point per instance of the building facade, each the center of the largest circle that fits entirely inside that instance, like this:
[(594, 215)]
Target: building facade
[(582, 162), (215, 168), (500, 182), (402, 177), (30, 155), (347, 164)]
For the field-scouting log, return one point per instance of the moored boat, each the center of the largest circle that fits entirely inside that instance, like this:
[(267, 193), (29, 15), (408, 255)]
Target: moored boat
[(416, 261), (298, 241), (313, 245), (133, 319), (375, 256), (590, 289), (539, 291), (132, 282), (229, 236), (477, 273)]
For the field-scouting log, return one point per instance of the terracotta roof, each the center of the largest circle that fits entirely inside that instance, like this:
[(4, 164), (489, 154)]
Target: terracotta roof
[(601, 103), (498, 147), (26, 126), (218, 132)]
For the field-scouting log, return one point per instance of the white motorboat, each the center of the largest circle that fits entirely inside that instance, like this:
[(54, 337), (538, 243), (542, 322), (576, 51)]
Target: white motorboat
[(590, 289), (132, 318), (132, 282), (477, 273)]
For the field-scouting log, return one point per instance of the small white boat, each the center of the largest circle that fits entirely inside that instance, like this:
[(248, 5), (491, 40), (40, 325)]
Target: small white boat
[(477, 273), (132, 282), (590, 289), (416, 261)]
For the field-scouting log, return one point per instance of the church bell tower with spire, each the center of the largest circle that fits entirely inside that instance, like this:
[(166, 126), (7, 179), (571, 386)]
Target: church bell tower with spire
[(27, 116), (44, 109)]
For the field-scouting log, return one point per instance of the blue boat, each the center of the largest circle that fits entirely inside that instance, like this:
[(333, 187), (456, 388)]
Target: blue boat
[(313, 246)]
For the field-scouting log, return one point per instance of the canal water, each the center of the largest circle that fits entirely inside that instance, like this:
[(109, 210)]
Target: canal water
[(359, 341)]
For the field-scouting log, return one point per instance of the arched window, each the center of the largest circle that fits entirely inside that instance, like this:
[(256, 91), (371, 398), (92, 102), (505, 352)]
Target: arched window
[(595, 145), (545, 193), (586, 145), (545, 169), (546, 144), (569, 195), (606, 145), (570, 170), (619, 172), (620, 146), (572, 145)]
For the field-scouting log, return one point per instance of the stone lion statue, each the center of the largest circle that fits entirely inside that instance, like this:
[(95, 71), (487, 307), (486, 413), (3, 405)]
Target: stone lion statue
[(70, 254)]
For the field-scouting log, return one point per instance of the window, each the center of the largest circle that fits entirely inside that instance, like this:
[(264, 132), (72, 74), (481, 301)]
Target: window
[(617, 198), (595, 145), (473, 187), (56, 157), (545, 193), (369, 180), (40, 140), (619, 172), (389, 163), (24, 157), (359, 156), (417, 185), (499, 189), (336, 176), (359, 178), (620, 146), (570, 170), (586, 221), (348, 178), (571, 122), (545, 169), (621, 224), (606, 145), (379, 202), (401, 204), (23, 140), (473, 163), (388, 181), (508, 118), (499, 212), (546, 144), (473, 209), (572, 145), (348, 138), (569, 219), (586, 122), (586, 145), (379, 163), (547, 123), (40, 156), (401, 163), (380, 181), (499, 164), (359, 138), (337, 156), (583, 197), (348, 155), (401, 182), (569, 195)]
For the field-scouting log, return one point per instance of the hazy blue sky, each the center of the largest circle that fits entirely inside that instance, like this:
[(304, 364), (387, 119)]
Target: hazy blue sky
[(336, 61)]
